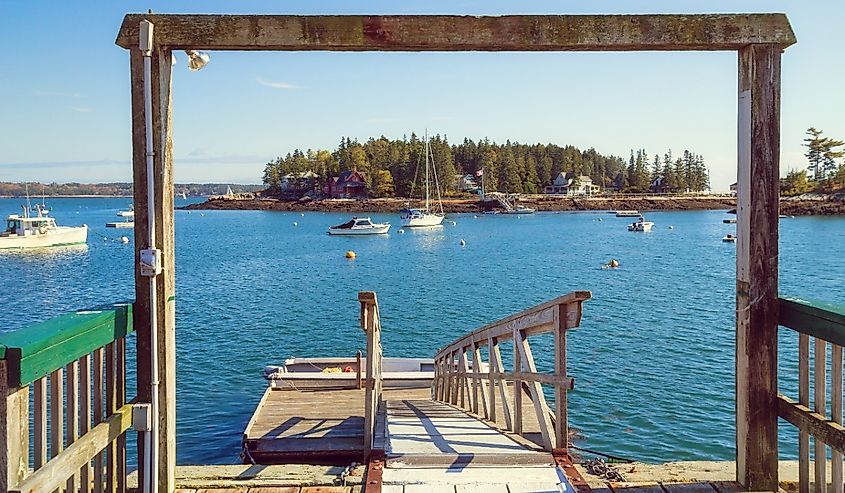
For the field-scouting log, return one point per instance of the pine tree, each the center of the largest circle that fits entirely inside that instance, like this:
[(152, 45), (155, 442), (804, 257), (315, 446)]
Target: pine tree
[(815, 147)]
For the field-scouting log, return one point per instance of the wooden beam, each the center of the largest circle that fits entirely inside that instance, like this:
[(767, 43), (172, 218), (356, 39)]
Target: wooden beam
[(462, 33), (165, 282), (541, 409), (14, 431), (757, 266), (816, 424), (54, 474), (821, 320)]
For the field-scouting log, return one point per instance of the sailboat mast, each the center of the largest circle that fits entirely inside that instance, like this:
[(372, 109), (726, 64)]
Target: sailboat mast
[(426, 171)]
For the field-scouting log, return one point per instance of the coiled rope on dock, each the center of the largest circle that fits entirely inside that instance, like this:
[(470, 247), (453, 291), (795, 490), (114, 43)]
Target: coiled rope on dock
[(598, 467)]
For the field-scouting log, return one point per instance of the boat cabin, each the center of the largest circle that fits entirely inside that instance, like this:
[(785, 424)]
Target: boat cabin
[(27, 226)]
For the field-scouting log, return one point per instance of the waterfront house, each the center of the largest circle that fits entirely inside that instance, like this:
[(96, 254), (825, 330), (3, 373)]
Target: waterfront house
[(659, 185), (298, 184), (349, 185), (466, 183), (569, 184)]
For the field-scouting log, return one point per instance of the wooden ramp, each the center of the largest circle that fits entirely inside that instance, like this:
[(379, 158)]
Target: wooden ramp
[(432, 446)]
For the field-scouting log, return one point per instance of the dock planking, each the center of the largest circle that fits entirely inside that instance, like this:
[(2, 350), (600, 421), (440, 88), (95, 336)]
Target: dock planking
[(319, 425)]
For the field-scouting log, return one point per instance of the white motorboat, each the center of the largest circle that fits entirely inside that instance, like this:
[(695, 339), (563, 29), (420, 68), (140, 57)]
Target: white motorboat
[(425, 217), (729, 238), (729, 221), (359, 226), (520, 209), (130, 212), (38, 232), (627, 213), (641, 225)]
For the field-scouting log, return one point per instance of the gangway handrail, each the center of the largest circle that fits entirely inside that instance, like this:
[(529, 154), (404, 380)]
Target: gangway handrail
[(476, 389), (371, 325)]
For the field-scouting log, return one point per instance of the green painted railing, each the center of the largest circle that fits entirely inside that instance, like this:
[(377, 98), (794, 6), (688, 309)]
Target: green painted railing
[(815, 318), (63, 409), (36, 351), (825, 323)]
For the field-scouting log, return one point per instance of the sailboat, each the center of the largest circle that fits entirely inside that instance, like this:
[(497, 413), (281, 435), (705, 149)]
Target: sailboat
[(425, 217)]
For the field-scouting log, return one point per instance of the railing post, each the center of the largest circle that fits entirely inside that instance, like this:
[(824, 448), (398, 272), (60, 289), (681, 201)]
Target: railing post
[(517, 383), (14, 431), (758, 149), (561, 418)]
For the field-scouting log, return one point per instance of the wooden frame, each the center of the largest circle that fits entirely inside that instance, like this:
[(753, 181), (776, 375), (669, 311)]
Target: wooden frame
[(757, 38), (371, 325)]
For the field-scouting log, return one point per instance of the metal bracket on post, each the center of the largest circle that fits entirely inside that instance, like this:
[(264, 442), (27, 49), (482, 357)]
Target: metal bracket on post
[(142, 417), (150, 262)]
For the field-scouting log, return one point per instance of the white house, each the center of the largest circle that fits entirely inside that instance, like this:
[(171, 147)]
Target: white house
[(569, 184)]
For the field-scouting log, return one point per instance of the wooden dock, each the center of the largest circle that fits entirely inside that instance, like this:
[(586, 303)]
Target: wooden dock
[(319, 425)]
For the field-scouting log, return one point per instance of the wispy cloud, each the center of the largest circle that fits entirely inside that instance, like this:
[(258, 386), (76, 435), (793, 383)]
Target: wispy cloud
[(59, 94), (81, 109), (275, 85)]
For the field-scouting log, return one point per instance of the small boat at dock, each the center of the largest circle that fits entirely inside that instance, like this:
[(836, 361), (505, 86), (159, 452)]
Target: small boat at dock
[(359, 226), (39, 231), (729, 221), (641, 225), (729, 239), (627, 213), (329, 372), (520, 209)]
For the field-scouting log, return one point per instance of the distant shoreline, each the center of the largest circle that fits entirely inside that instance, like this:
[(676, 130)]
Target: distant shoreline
[(794, 206), (46, 197), (470, 205)]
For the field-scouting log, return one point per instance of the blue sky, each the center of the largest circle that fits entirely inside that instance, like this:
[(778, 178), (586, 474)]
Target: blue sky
[(64, 90)]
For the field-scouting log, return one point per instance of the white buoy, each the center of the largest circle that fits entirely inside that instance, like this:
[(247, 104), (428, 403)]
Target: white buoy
[(302, 214), (124, 239), (202, 214), (463, 243), (475, 216), (671, 227), (401, 231), (600, 219), (189, 212), (295, 223), (454, 223)]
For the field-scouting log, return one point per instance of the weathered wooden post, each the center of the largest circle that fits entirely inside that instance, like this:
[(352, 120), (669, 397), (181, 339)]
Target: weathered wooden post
[(757, 266), (164, 234), (14, 430)]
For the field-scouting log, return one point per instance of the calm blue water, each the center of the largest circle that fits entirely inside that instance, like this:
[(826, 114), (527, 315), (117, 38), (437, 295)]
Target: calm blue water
[(653, 359)]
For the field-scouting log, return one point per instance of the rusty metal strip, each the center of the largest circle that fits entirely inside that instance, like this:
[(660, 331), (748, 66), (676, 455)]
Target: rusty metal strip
[(372, 480), (564, 461)]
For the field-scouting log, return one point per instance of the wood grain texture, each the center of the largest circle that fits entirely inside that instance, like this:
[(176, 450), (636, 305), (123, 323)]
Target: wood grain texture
[(53, 475), (14, 431), (757, 266), (461, 33), (814, 423)]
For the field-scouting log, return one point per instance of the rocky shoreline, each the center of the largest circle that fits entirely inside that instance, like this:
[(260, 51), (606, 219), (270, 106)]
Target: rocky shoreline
[(793, 206), (543, 203)]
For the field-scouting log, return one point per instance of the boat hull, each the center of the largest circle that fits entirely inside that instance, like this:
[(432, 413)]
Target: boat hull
[(61, 236), (426, 221), (380, 229), (641, 227)]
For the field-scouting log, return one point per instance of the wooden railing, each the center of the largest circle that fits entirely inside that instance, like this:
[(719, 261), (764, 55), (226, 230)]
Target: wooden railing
[(825, 323), (371, 325), (74, 369), (463, 379)]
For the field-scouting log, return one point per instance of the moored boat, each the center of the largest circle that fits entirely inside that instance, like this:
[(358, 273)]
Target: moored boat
[(729, 238), (130, 212), (641, 225), (38, 232), (358, 226), (425, 216), (627, 213), (520, 209)]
